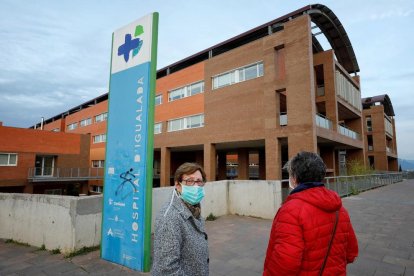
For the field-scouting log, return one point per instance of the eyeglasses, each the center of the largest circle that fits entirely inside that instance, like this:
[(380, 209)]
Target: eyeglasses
[(191, 182)]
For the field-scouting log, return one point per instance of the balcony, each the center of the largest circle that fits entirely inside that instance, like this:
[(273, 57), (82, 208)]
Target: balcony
[(347, 91), (322, 121), (348, 132), (388, 127), (49, 174)]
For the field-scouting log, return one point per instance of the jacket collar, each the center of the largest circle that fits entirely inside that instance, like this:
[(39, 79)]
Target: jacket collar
[(185, 213), (307, 185)]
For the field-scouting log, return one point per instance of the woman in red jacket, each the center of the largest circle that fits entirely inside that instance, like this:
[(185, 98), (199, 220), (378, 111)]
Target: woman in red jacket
[(302, 228)]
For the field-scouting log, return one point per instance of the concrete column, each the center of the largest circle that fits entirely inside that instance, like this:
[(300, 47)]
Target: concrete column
[(210, 161), (243, 164), (273, 159), (222, 165), (262, 165), (165, 167)]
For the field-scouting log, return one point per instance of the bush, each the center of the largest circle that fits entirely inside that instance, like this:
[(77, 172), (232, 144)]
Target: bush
[(357, 167), (211, 217), (55, 251)]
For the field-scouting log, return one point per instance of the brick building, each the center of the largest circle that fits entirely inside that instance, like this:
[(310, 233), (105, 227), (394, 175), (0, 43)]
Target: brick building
[(36, 161), (380, 134), (243, 107)]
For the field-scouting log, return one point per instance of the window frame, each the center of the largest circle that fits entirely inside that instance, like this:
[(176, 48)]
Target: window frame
[(9, 154), (104, 116), (159, 96), (237, 75), (102, 138), (186, 91), (183, 122), (72, 126), (160, 128), (85, 122)]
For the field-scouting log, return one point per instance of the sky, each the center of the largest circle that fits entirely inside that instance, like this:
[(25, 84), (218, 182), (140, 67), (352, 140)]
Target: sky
[(55, 55)]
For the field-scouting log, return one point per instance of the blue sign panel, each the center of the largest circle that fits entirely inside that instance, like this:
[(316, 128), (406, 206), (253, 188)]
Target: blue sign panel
[(126, 223)]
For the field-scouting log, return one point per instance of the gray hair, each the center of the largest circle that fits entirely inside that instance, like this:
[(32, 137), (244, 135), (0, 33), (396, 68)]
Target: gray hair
[(306, 167)]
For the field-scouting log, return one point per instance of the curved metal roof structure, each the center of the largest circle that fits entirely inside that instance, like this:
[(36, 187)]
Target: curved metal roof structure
[(321, 15), (381, 99), (330, 25)]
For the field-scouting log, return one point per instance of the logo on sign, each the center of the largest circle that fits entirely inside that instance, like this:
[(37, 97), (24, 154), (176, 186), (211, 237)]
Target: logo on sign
[(131, 44)]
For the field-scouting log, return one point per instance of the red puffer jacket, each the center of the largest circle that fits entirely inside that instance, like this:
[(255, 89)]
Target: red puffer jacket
[(301, 232)]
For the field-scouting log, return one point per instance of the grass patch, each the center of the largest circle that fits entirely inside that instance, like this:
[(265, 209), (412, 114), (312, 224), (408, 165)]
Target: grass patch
[(211, 217), (16, 242), (55, 251), (82, 251), (354, 190)]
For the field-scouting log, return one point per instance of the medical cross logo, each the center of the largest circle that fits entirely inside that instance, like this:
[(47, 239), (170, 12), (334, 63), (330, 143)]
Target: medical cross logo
[(130, 44)]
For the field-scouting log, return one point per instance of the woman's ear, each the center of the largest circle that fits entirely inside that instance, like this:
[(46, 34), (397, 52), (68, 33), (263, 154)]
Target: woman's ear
[(178, 186)]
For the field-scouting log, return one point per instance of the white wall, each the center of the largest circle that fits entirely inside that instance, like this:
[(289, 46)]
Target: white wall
[(70, 223), (62, 222)]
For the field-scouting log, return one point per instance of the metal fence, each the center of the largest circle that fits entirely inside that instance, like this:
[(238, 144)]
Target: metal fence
[(352, 185), (53, 173)]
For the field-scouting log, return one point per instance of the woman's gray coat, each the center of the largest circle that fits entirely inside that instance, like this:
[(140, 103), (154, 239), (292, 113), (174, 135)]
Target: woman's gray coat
[(180, 241)]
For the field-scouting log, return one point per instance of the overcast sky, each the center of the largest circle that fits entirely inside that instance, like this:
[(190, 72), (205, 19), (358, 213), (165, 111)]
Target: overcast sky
[(55, 55)]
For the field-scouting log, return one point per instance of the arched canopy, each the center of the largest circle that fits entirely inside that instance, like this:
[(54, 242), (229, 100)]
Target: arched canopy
[(381, 99)]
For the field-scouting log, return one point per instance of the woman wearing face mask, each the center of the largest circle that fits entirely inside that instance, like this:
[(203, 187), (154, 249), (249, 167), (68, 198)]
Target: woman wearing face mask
[(180, 239), (311, 233)]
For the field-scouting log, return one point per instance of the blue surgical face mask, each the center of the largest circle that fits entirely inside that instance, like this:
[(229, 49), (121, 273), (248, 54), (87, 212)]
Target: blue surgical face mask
[(192, 194)]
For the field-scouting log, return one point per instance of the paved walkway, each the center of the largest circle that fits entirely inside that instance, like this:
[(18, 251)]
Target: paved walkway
[(383, 220)]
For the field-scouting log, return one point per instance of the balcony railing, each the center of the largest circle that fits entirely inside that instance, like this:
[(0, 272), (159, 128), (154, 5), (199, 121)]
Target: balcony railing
[(347, 91), (347, 132), (42, 174), (388, 127), (350, 185), (322, 121)]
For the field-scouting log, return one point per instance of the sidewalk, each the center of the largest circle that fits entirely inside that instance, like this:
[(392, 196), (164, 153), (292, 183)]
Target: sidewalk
[(383, 220)]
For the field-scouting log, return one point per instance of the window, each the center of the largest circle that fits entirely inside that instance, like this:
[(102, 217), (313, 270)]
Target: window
[(157, 128), (98, 163), (248, 72), (8, 159), (101, 117), (186, 123), (186, 91), (85, 122), (369, 123), (72, 126), (99, 138), (97, 189), (158, 99)]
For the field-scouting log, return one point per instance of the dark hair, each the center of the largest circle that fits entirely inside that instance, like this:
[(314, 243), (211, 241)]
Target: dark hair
[(307, 167), (188, 168)]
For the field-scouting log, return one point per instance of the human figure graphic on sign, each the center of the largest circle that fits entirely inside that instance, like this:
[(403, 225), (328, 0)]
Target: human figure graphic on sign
[(127, 177)]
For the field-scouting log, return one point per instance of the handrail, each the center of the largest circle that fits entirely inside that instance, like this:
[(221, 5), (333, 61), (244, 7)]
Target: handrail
[(352, 185), (348, 132), (323, 121), (56, 174)]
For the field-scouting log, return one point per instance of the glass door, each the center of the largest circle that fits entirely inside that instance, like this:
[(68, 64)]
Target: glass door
[(44, 165)]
